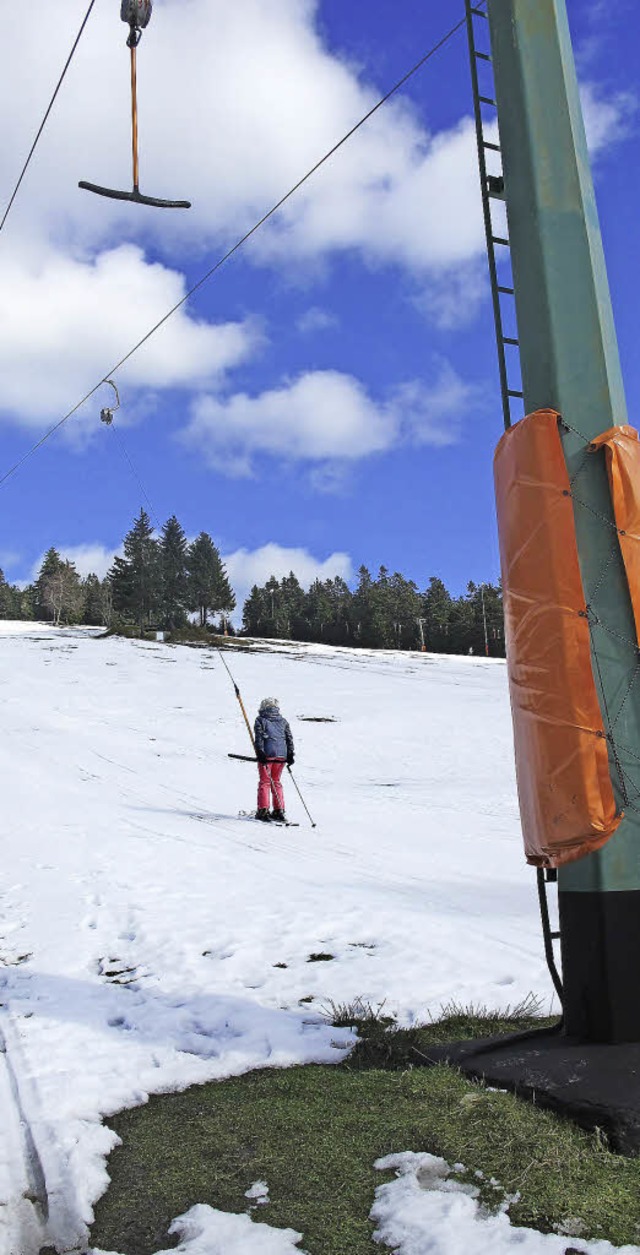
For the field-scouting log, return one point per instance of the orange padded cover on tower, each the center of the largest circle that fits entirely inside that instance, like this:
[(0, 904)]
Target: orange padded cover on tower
[(566, 798), (622, 453)]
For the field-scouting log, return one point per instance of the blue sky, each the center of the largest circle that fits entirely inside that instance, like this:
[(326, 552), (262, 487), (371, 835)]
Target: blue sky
[(331, 397)]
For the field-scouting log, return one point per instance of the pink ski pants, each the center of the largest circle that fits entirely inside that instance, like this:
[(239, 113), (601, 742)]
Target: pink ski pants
[(270, 786)]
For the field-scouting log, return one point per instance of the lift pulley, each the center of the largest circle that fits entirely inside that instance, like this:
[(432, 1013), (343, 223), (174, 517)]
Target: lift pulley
[(137, 15), (106, 415)]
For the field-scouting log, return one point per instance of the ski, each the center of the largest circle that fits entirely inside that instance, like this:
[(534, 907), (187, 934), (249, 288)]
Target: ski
[(275, 823), (248, 815)]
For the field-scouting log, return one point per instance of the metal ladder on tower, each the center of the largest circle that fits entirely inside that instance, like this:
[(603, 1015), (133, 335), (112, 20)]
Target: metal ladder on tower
[(492, 186)]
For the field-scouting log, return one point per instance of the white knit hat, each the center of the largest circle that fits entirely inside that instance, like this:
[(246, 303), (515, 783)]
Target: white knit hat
[(269, 701)]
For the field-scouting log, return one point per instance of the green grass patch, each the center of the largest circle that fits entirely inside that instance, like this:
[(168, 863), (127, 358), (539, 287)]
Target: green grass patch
[(313, 1134), (383, 1045)]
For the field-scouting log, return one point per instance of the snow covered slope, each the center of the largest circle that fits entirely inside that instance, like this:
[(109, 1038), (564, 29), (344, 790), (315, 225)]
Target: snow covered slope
[(149, 938)]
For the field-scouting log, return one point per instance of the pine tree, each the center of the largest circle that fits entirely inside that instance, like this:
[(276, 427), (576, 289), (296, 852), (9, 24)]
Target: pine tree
[(51, 565), (209, 590), (437, 606), (135, 579), (224, 600), (494, 610), (405, 607), (373, 609), (106, 601), (175, 579), (6, 600), (92, 595), (254, 612), (464, 630), (341, 602), (273, 626), (485, 607), (383, 602), (25, 602), (317, 612), (362, 603), (292, 600), (120, 581)]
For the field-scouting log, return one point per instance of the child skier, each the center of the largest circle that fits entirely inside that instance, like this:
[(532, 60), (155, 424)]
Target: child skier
[(274, 748)]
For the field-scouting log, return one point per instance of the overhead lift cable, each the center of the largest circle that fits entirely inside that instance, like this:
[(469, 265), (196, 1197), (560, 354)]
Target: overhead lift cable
[(46, 116), (234, 249), (127, 457)]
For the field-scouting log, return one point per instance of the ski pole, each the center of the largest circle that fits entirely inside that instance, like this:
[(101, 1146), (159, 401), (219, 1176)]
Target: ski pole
[(244, 758), (313, 825)]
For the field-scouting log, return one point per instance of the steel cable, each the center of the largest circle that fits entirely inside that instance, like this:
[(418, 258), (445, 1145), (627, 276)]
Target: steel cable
[(234, 249), (46, 116)]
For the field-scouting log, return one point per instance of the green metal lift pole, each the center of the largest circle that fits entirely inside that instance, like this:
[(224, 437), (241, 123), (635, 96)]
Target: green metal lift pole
[(569, 359)]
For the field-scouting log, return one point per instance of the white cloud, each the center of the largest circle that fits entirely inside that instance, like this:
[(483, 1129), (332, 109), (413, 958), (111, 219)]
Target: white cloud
[(91, 559), (452, 298), (398, 196), (64, 322), (316, 319), (607, 119), (320, 416), (434, 415), (246, 567), (88, 559), (9, 559), (325, 417), (236, 102)]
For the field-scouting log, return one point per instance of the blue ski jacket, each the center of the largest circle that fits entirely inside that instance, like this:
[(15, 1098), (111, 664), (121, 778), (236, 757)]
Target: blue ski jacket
[(273, 735)]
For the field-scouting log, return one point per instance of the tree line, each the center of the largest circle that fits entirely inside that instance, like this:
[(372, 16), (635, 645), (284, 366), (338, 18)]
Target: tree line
[(158, 583), (164, 582), (388, 612)]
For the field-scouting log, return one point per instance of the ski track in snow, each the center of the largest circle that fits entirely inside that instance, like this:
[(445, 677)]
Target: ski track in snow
[(150, 939)]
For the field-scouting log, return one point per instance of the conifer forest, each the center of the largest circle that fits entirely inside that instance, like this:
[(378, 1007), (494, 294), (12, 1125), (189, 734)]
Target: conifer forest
[(166, 583)]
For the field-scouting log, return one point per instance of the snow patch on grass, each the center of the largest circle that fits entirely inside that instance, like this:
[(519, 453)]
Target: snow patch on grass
[(205, 1231), (427, 1212)]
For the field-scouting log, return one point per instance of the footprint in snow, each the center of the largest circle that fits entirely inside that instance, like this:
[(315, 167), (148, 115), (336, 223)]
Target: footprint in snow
[(116, 972)]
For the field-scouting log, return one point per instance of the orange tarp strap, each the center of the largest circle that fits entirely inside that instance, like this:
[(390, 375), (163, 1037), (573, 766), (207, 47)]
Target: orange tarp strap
[(566, 797), (622, 453)]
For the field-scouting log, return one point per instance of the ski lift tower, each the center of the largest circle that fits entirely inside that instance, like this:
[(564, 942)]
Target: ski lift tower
[(569, 363)]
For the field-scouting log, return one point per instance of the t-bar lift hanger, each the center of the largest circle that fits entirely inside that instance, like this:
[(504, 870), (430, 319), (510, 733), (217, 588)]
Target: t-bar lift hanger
[(137, 14)]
